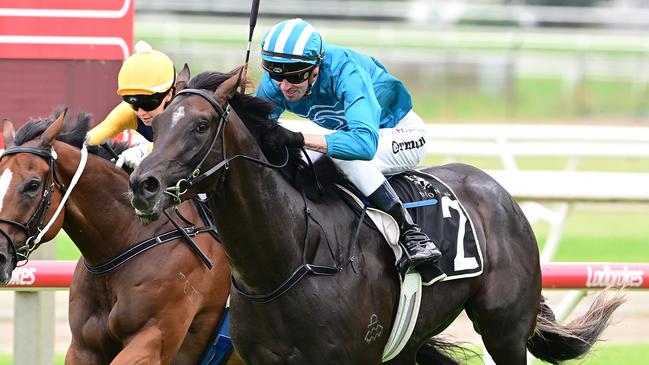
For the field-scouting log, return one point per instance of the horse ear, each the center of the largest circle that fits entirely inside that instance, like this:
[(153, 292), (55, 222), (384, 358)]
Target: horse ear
[(53, 130), (182, 78), (226, 90), (9, 132)]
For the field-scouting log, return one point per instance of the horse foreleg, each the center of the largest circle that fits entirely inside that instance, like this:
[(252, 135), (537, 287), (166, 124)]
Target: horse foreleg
[(145, 347), (78, 355)]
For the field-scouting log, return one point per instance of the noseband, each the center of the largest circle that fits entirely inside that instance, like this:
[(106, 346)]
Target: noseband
[(35, 225), (183, 185)]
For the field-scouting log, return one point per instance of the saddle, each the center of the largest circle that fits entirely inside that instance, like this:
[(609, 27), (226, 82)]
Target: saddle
[(435, 207)]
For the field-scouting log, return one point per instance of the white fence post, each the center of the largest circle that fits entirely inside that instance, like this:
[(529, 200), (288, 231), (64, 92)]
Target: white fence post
[(34, 320)]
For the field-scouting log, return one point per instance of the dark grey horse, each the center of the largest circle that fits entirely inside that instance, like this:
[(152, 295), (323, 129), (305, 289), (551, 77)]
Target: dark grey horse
[(270, 229)]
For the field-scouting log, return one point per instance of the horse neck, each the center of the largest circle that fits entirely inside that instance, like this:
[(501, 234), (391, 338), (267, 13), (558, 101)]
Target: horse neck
[(98, 215), (260, 216)]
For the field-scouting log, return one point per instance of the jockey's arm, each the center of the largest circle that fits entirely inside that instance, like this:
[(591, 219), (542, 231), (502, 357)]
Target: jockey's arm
[(359, 140), (315, 142), (118, 120)]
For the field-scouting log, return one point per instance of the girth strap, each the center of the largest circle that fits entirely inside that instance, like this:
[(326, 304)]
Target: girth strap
[(305, 269), (295, 277)]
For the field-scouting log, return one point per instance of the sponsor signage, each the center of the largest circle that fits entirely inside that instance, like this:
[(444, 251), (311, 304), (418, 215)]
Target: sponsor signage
[(58, 274), (595, 275), (43, 274)]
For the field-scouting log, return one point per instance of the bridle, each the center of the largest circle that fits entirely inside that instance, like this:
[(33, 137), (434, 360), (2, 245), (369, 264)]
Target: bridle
[(35, 224), (183, 185)]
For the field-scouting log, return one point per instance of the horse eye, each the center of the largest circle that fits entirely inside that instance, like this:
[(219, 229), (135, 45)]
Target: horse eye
[(202, 127), (32, 186)]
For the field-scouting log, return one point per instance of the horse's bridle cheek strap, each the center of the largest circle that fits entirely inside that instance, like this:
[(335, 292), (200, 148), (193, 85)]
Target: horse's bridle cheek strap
[(183, 185), (34, 235), (34, 225)]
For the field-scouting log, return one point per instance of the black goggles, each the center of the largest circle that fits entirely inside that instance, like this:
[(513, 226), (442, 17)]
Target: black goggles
[(292, 78), (295, 73), (145, 102)]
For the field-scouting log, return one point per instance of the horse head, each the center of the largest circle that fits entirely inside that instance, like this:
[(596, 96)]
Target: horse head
[(190, 140), (28, 188)]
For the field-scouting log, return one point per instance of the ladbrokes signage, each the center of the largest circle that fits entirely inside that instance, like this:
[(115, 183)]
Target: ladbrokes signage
[(573, 275), (604, 276)]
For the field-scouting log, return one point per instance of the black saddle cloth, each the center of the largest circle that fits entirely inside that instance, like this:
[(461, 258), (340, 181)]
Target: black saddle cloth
[(434, 206)]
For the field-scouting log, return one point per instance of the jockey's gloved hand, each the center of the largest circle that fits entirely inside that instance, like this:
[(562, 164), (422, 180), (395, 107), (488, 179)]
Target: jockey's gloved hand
[(277, 137), (134, 155)]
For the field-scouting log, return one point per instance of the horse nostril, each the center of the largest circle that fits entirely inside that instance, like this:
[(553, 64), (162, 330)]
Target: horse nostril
[(146, 186), (151, 185)]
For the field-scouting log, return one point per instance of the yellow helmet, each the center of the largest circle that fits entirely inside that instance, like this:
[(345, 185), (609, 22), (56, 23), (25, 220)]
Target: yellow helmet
[(146, 72)]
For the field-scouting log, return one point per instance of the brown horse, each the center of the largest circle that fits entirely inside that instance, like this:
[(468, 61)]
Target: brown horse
[(161, 306), (305, 293)]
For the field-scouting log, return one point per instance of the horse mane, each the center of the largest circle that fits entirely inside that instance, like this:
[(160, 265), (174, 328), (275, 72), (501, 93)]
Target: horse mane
[(73, 132), (254, 112)]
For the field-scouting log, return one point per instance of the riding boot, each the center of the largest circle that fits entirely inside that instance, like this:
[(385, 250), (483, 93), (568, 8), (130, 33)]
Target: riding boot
[(420, 249)]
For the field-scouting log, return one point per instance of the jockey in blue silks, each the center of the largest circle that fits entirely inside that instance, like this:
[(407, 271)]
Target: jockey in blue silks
[(376, 132)]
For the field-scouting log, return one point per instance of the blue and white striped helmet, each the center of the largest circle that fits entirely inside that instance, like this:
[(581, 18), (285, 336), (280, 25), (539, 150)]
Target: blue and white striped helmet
[(292, 41)]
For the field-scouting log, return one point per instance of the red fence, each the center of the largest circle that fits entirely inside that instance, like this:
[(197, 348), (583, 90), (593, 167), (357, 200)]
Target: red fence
[(43, 274), (569, 275)]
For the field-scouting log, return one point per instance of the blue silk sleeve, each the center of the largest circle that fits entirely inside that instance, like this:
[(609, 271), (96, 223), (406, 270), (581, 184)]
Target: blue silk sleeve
[(359, 140)]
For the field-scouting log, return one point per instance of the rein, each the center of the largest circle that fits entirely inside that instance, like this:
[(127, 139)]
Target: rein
[(183, 185), (306, 268)]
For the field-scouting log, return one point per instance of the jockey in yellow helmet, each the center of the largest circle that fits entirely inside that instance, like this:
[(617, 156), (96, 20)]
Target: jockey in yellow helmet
[(146, 85)]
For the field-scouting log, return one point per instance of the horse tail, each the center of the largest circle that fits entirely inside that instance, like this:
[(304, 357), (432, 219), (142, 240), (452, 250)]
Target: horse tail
[(438, 351), (553, 342)]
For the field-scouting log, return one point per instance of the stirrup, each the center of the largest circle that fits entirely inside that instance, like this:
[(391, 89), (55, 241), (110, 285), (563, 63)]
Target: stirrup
[(406, 262)]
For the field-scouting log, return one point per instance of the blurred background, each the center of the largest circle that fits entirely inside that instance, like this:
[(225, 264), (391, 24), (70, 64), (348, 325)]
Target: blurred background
[(536, 61), (497, 70)]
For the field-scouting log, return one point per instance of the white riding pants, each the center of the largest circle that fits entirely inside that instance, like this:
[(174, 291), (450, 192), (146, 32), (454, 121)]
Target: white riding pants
[(400, 148)]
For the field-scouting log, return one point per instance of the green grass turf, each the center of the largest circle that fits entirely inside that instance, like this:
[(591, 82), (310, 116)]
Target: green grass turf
[(65, 248), (604, 164), (603, 353), (529, 99)]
